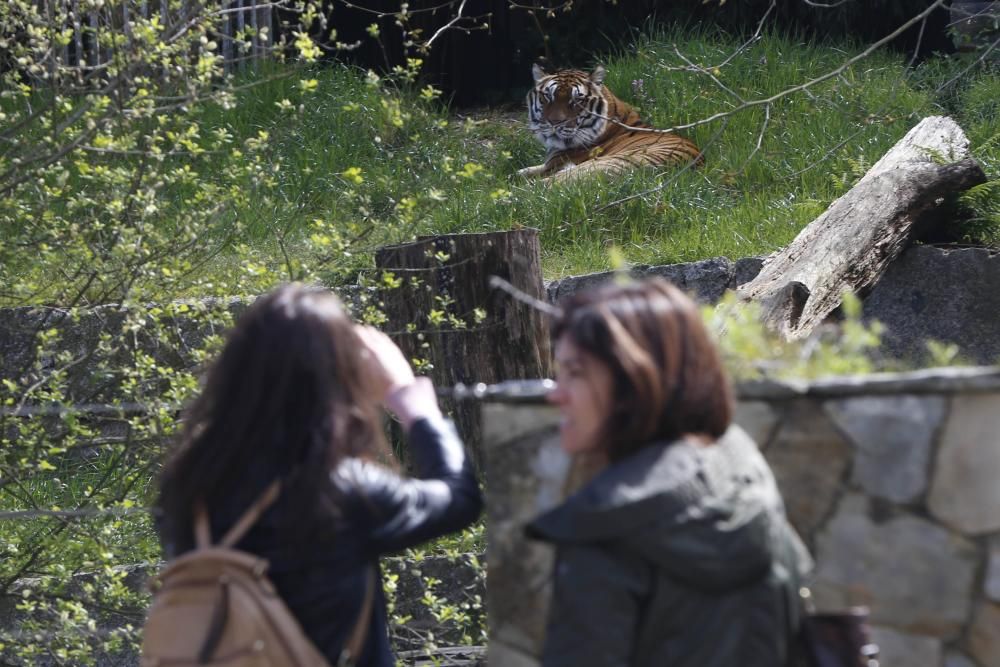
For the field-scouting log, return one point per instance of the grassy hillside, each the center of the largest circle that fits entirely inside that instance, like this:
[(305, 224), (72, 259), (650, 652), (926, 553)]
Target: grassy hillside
[(769, 169), (352, 162)]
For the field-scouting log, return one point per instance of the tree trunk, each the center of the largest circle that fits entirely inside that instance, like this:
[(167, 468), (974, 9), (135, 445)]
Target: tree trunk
[(446, 312), (851, 244)]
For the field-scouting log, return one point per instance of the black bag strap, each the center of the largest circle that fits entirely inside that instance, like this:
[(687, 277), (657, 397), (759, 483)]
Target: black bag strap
[(356, 642), (838, 638)]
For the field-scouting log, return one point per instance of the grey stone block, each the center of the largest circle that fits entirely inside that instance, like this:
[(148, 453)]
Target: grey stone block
[(706, 280), (965, 492), (983, 639), (745, 270), (992, 584), (809, 457), (916, 576), (956, 659), (898, 649), (758, 419), (892, 436), (948, 295), (559, 290)]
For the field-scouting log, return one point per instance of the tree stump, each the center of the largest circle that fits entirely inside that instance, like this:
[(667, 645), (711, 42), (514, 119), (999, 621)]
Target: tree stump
[(852, 243), (445, 311)]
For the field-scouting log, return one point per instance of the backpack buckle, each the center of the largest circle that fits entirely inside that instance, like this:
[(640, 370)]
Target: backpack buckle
[(345, 659)]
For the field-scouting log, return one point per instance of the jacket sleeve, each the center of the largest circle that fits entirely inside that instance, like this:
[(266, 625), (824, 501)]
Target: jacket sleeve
[(392, 512), (594, 616)]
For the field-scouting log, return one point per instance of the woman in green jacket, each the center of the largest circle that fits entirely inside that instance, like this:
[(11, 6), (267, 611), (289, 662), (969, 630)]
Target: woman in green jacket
[(675, 552)]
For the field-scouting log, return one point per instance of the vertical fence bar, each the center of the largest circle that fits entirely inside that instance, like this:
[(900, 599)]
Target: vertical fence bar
[(254, 40), (127, 25), (78, 56), (240, 27), (226, 34), (266, 21), (93, 49), (48, 10), (95, 35), (64, 23)]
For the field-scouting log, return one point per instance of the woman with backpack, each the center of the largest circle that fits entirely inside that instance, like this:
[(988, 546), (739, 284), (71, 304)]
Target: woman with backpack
[(675, 550), (284, 451)]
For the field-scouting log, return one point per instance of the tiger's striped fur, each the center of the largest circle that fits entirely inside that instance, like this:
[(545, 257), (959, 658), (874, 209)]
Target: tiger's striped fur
[(586, 129)]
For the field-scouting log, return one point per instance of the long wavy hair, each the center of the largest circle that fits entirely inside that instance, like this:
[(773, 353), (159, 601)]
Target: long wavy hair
[(285, 399), (668, 379)]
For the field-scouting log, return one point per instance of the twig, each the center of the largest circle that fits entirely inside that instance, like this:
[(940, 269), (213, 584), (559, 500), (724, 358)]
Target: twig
[(920, 39), (89, 409), (524, 297), (409, 12), (753, 38), (454, 19), (709, 74), (760, 137), (826, 5)]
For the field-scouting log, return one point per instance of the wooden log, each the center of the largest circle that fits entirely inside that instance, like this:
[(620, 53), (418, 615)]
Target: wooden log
[(852, 243), (449, 276)]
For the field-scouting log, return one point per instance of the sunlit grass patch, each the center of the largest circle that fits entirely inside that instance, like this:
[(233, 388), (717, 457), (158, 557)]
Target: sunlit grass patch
[(349, 162)]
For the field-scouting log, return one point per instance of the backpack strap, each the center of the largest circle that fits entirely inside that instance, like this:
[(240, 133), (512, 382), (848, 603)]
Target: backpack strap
[(202, 529), (356, 641), (250, 517)]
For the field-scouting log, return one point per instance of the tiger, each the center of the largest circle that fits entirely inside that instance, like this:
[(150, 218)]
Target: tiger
[(587, 130)]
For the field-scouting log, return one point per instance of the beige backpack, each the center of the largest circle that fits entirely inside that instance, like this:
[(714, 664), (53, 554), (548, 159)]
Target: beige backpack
[(216, 606)]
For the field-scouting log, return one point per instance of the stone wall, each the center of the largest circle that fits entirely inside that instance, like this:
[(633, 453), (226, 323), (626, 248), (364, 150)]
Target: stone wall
[(951, 295), (892, 480)]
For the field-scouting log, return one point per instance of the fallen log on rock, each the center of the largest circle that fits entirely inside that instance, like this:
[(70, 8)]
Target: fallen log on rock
[(853, 242)]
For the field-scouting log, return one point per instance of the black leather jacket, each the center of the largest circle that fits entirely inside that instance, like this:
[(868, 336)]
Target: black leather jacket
[(323, 580), (678, 556)]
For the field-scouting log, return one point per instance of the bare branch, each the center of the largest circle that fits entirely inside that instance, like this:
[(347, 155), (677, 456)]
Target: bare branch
[(826, 5), (760, 137), (455, 19), (525, 298), (701, 70)]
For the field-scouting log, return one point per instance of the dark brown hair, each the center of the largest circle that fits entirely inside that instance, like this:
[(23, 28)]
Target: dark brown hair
[(668, 378), (286, 399)]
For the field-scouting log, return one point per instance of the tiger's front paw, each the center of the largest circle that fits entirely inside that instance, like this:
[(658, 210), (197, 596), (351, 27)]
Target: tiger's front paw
[(531, 172), (567, 173)]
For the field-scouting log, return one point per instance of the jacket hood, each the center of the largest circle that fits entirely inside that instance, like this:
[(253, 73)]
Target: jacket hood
[(709, 515)]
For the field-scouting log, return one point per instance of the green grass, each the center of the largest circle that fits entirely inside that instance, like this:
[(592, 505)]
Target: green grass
[(745, 200), (414, 179)]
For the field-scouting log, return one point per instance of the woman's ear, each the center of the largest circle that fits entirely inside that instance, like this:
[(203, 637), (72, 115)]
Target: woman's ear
[(537, 72), (597, 76)]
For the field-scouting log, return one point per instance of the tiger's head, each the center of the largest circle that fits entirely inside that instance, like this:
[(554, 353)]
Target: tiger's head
[(567, 109)]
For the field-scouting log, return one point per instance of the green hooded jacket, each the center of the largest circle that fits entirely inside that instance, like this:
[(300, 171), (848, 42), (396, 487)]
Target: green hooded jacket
[(679, 555)]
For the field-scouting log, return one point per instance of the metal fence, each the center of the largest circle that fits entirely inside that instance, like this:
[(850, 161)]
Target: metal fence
[(243, 29)]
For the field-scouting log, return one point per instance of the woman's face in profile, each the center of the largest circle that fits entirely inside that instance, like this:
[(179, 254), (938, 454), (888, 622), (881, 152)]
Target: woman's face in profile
[(583, 396)]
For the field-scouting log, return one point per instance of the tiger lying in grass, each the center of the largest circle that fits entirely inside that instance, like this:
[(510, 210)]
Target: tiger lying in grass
[(586, 129)]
